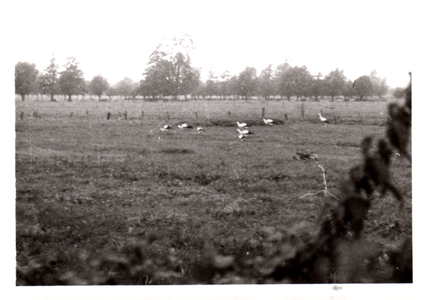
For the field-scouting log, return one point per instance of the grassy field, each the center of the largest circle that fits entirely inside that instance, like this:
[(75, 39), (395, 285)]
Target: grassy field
[(90, 189)]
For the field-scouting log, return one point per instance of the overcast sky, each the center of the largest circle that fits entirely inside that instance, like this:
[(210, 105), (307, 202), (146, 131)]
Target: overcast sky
[(115, 38)]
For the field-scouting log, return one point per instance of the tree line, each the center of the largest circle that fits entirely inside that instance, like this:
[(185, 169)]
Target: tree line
[(170, 74)]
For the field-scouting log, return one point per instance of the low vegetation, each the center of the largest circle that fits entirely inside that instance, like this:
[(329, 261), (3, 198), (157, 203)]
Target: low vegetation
[(103, 202)]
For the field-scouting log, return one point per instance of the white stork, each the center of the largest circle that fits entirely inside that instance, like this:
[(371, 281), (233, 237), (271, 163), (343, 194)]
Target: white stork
[(323, 120), (200, 129), (269, 122), (242, 136), (185, 126), (241, 125), (244, 131), (166, 128)]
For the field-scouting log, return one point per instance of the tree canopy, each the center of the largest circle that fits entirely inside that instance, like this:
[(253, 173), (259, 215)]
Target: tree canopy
[(247, 82), (71, 80), (265, 82), (335, 83), (49, 82), (25, 78), (98, 85), (363, 87), (169, 71)]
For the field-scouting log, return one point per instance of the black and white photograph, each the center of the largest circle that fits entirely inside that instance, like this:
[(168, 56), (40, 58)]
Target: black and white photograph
[(212, 149)]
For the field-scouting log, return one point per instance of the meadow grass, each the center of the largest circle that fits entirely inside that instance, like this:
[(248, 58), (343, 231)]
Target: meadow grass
[(88, 186)]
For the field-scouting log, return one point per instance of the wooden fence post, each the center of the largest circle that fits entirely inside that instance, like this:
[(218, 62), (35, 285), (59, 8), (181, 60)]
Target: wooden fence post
[(302, 110), (108, 115), (142, 114), (263, 112), (22, 115), (196, 114), (167, 115), (286, 117), (126, 115)]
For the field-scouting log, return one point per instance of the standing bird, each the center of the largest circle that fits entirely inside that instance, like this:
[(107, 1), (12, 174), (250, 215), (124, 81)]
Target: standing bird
[(323, 120), (185, 126), (200, 129), (241, 125), (269, 122)]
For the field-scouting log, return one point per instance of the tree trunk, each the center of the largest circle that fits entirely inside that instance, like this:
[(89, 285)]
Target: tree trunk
[(69, 98), (23, 97)]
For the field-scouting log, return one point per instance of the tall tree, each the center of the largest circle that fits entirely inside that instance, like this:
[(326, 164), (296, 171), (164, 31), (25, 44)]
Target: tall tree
[(379, 85), (49, 82), (190, 81), (211, 86), (98, 85), (136, 90), (348, 90), (335, 83), (266, 83), (363, 87), (300, 81), (112, 91), (25, 78), (223, 84), (282, 82), (234, 86), (71, 80), (247, 82), (124, 87), (318, 87), (169, 71)]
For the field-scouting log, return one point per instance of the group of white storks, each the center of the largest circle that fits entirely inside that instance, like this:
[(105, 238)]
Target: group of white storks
[(242, 128)]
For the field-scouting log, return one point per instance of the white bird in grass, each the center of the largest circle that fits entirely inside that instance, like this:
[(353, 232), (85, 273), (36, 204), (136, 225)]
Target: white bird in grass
[(244, 131), (166, 128), (200, 129), (241, 125), (185, 126), (323, 120), (269, 122), (242, 136)]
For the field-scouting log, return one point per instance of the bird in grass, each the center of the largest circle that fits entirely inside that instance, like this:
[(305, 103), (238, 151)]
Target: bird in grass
[(244, 131), (185, 126), (242, 136), (200, 129), (241, 125), (269, 122), (323, 120), (166, 128)]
